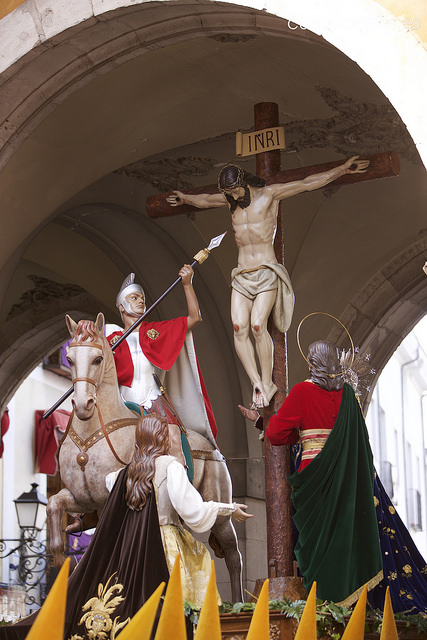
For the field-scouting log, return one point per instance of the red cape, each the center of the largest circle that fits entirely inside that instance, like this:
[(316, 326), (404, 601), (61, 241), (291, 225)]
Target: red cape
[(161, 343)]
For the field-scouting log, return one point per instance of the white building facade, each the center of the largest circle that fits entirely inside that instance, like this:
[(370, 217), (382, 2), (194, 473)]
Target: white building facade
[(397, 425), (18, 471)]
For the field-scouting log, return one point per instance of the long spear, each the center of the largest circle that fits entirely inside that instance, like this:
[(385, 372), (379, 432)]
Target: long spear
[(200, 257)]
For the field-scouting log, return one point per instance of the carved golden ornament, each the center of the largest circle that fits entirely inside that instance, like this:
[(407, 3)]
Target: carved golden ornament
[(114, 339), (97, 619), (152, 334), (202, 255), (274, 632)]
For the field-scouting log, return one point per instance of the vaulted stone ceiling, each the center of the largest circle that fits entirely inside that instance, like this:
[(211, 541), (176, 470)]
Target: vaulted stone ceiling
[(157, 108)]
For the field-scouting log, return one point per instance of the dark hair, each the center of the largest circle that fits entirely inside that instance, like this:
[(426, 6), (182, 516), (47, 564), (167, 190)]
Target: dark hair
[(232, 174), (151, 441), (324, 362)]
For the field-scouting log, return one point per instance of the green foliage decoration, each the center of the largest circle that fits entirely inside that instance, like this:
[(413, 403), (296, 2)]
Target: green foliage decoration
[(331, 618)]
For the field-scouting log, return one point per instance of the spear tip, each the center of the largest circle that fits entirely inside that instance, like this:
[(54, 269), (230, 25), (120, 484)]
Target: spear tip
[(215, 242)]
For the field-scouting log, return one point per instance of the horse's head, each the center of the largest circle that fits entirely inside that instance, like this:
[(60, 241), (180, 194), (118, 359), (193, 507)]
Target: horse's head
[(86, 358)]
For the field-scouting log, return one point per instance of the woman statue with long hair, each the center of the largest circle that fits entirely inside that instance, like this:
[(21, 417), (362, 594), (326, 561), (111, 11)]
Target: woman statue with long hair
[(137, 539), (140, 532), (154, 468)]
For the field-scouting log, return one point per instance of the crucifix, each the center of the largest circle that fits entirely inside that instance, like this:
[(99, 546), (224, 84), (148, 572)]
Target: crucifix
[(279, 184)]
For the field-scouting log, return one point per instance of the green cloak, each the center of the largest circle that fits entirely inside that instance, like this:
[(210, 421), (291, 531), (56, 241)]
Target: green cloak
[(338, 544)]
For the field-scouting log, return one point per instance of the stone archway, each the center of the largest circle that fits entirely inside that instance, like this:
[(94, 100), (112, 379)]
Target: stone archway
[(388, 307), (57, 54), (48, 54), (39, 329), (388, 51)]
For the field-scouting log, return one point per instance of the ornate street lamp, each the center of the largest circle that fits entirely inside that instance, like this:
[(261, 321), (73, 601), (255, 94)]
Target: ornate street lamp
[(27, 583), (31, 513), (31, 510), (29, 578)]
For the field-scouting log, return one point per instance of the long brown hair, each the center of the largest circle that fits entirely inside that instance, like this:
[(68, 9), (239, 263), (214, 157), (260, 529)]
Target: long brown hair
[(151, 441)]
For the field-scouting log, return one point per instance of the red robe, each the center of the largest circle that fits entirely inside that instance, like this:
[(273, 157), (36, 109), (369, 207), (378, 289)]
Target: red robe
[(306, 407)]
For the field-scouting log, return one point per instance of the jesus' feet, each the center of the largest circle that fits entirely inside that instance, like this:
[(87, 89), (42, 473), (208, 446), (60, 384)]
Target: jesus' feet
[(259, 397), (262, 394)]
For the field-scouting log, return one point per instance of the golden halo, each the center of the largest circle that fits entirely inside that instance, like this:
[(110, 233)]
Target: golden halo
[(323, 313)]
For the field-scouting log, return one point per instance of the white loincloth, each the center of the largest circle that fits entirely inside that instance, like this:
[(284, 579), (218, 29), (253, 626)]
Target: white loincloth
[(267, 277)]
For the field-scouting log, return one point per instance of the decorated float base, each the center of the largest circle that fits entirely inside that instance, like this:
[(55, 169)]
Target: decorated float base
[(236, 626)]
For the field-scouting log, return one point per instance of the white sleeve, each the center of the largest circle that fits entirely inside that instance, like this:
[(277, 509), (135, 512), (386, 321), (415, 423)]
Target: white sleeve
[(187, 501), (110, 479)]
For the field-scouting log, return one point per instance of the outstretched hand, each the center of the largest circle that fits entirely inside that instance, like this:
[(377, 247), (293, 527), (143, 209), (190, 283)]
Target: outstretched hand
[(240, 514), (176, 199), (249, 414), (353, 165)]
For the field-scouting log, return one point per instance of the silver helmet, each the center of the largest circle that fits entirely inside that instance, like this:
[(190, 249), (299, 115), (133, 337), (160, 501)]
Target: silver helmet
[(128, 286)]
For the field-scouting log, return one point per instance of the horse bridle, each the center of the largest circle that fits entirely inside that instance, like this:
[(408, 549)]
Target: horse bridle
[(86, 344), (83, 457), (95, 384)]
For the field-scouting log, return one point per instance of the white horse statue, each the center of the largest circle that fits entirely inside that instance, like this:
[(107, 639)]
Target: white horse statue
[(100, 438)]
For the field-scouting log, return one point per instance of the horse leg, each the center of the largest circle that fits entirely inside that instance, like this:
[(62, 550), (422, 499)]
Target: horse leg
[(213, 481), (57, 504), (225, 533)]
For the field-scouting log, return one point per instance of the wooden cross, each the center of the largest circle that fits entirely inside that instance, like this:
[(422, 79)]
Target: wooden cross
[(278, 459)]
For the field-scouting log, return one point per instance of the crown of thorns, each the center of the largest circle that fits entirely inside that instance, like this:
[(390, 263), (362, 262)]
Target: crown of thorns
[(237, 183)]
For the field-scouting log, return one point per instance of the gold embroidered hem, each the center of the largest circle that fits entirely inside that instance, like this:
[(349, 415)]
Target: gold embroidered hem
[(355, 596), (195, 562), (99, 611)]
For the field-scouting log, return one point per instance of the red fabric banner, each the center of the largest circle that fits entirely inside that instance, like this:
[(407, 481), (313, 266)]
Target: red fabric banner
[(5, 421), (47, 440)]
